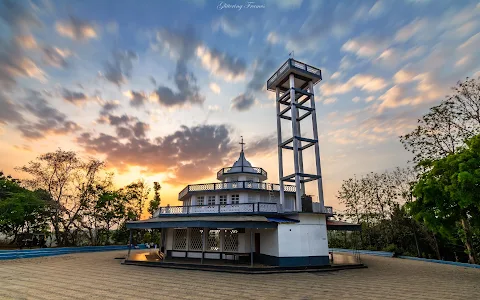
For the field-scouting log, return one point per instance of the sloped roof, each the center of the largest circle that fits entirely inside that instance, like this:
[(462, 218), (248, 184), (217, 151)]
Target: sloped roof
[(241, 165)]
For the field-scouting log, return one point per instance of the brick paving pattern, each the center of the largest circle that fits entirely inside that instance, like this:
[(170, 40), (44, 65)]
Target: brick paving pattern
[(100, 276)]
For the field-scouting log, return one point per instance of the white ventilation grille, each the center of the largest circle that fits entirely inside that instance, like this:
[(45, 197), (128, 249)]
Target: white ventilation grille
[(231, 241), (196, 242), (180, 239)]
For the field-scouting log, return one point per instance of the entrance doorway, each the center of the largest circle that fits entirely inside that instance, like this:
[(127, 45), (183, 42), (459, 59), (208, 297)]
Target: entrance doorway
[(257, 243)]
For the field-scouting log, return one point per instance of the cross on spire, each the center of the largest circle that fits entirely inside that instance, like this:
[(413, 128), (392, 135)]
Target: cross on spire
[(242, 143)]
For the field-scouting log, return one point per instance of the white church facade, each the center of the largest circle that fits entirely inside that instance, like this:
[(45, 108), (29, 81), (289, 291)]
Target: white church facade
[(244, 217), (240, 218)]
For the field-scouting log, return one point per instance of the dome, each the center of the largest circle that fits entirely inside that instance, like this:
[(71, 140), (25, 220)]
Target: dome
[(242, 166)]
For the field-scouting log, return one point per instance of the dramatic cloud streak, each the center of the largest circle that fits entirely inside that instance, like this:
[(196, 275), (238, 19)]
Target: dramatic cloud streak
[(76, 29)]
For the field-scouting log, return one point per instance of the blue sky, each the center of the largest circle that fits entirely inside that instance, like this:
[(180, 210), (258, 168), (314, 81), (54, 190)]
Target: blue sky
[(164, 89)]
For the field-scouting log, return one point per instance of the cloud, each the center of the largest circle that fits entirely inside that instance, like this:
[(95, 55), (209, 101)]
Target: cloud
[(365, 46), (214, 88), (363, 82), (185, 45), (243, 102), (262, 145), (394, 97), (375, 129), (377, 9), (233, 25), (214, 108), (329, 100), (403, 76), (55, 57), (221, 64), (356, 99), (49, 119), (263, 69), (26, 41), (125, 126), (13, 64), (335, 75), (182, 46), (137, 99), (108, 107), (9, 111), (325, 21), (188, 90), (189, 153), (74, 97), (76, 29), (410, 30), (119, 68), (18, 16)]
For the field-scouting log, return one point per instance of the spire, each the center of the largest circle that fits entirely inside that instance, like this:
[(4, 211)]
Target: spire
[(242, 143)]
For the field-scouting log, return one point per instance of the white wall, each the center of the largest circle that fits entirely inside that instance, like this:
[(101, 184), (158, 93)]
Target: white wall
[(169, 241), (244, 241), (289, 204), (307, 238), (269, 241)]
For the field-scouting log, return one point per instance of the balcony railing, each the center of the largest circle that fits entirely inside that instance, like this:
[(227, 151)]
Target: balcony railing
[(234, 185), (292, 63), (257, 171), (258, 207)]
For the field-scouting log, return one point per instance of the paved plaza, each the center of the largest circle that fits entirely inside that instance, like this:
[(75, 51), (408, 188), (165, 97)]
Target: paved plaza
[(100, 276)]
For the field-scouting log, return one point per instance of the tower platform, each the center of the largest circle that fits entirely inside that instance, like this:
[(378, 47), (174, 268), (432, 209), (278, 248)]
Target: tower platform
[(303, 75)]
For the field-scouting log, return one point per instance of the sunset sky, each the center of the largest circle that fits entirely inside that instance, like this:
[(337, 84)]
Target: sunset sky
[(163, 90)]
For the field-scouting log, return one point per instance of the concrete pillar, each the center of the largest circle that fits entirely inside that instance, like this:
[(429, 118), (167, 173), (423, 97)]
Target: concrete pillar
[(317, 149), (298, 198), (129, 244), (280, 150)]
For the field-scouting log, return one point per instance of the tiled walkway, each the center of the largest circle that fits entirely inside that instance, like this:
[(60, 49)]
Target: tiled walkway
[(100, 276)]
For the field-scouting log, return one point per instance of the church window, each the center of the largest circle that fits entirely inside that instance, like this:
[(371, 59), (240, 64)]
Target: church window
[(223, 199), (211, 200), (235, 199)]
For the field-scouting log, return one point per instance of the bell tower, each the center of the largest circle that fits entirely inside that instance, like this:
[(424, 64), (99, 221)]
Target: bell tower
[(295, 101)]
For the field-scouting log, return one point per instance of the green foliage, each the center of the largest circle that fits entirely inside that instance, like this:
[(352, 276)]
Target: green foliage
[(21, 210), (155, 202), (448, 195)]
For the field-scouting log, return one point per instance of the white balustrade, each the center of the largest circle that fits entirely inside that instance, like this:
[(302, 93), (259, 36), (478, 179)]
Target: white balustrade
[(204, 209), (231, 208), (268, 207)]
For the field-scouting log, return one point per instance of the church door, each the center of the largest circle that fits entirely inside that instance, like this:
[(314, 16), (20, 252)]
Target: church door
[(257, 243)]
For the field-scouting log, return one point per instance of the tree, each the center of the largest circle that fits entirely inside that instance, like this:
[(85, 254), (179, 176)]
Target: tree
[(107, 211), (448, 195), (70, 182), (155, 202), (136, 193), (446, 127), (21, 210)]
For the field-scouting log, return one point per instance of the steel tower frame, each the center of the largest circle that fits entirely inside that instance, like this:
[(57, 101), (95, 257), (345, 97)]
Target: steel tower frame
[(293, 84)]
